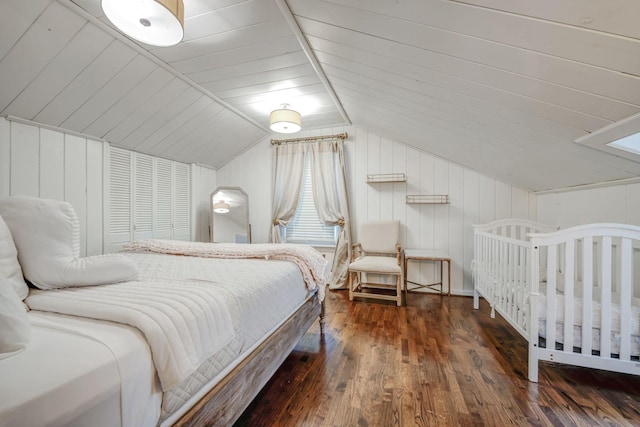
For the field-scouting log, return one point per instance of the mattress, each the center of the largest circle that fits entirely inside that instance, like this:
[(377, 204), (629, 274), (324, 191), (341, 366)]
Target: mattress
[(261, 295), (79, 372), (596, 319)]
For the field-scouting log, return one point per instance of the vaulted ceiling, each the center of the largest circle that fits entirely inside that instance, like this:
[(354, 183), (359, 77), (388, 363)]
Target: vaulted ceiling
[(500, 86)]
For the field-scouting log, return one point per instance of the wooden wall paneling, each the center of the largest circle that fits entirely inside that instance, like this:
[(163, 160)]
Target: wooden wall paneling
[(456, 225), (130, 102), (486, 199), (122, 82), (386, 190), (520, 204), (50, 32), (360, 177), (533, 207), (400, 189), (175, 125), (427, 215), (572, 12), (95, 197), (373, 166), (156, 124), (441, 212), (471, 182), (146, 110), (203, 184), (503, 200), (75, 182), (25, 160), (260, 191), (111, 60), (52, 167), (501, 55), (413, 187), (11, 29), (5, 157), (632, 197), (87, 44)]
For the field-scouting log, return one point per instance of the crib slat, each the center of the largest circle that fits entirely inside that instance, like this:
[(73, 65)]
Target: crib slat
[(605, 310), (551, 296), (626, 260), (587, 295), (569, 302)]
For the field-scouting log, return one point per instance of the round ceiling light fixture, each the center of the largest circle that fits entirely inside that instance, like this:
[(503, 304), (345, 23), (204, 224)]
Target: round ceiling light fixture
[(285, 120), (154, 22)]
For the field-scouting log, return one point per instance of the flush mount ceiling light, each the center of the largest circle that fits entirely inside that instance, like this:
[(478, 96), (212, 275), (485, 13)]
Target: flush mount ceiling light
[(154, 22), (221, 207), (285, 120)]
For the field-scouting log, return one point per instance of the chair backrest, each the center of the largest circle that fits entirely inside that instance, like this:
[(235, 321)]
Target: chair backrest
[(379, 236)]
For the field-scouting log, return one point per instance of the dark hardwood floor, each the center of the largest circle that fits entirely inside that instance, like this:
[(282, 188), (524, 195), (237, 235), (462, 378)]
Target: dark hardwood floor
[(434, 362)]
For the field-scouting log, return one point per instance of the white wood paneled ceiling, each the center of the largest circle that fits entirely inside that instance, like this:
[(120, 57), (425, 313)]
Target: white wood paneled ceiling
[(500, 86)]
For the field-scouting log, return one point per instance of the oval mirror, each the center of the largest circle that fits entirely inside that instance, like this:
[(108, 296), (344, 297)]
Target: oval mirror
[(230, 216)]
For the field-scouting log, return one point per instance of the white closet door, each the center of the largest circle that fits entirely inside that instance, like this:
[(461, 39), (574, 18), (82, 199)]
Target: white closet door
[(143, 196), (162, 189), (119, 199), (181, 202)]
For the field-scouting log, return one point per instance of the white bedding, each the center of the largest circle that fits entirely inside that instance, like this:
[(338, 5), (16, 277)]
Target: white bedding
[(258, 294), (184, 323), (79, 372), (261, 294), (596, 319)]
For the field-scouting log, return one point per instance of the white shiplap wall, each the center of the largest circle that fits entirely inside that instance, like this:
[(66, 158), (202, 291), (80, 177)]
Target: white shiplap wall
[(40, 162), (203, 181), (614, 203), (475, 198)]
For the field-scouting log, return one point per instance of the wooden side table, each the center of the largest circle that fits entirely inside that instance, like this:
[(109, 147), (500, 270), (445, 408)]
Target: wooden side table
[(427, 255)]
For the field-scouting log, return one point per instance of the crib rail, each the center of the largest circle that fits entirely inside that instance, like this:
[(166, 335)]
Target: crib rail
[(570, 293), (597, 264)]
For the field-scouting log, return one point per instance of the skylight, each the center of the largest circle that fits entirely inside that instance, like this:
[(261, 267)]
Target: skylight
[(629, 143)]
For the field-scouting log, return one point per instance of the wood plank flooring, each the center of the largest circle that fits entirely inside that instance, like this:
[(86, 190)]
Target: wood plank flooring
[(434, 362)]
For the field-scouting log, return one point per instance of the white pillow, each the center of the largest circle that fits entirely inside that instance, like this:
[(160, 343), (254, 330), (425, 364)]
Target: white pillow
[(9, 267), (47, 236), (15, 330)]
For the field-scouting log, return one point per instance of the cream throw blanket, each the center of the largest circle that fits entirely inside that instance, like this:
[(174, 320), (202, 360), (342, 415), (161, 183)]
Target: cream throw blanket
[(184, 323), (314, 267)]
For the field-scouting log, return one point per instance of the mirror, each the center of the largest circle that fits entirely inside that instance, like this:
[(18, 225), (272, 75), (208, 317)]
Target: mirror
[(230, 216)]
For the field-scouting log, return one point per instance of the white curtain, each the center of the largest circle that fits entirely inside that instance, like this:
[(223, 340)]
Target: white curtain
[(328, 179), (289, 170)]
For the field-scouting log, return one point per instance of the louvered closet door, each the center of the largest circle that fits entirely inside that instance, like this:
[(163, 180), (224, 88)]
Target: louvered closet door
[(119, 199), (143, 196), (163, 189), (181, 198)]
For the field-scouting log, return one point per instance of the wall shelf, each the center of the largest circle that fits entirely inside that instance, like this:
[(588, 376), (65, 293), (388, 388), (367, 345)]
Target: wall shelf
[(386, 177), (437, 199)]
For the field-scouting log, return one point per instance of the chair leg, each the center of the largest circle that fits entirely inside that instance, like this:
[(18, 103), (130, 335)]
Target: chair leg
[(351, 285), (399, 290)]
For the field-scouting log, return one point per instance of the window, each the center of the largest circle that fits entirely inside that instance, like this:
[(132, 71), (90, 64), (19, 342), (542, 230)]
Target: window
[(306, 227)]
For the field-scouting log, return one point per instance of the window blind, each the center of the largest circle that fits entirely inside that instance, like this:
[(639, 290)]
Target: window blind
[(306, 227)]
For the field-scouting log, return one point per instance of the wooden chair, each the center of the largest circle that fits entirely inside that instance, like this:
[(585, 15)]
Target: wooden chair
[(378, 253)]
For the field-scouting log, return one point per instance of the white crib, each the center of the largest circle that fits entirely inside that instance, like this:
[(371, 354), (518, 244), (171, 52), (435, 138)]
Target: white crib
[(523, 270)]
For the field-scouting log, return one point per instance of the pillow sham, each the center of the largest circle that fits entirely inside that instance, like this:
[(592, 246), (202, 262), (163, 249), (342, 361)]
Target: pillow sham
[(10, 269), (15, 330), (47, 236)]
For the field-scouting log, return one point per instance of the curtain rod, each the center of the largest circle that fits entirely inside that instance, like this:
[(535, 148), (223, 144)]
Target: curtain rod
[(343, 135)]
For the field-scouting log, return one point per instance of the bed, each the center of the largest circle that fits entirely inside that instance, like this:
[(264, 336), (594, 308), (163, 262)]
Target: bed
[(573, 294), (190, 340)]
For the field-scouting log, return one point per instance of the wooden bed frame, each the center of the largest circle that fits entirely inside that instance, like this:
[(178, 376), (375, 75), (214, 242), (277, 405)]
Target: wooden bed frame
[(225, 402)]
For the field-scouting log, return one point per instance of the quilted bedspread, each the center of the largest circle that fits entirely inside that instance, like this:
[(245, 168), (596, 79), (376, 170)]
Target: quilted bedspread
[(314, 267), (183, 323)]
